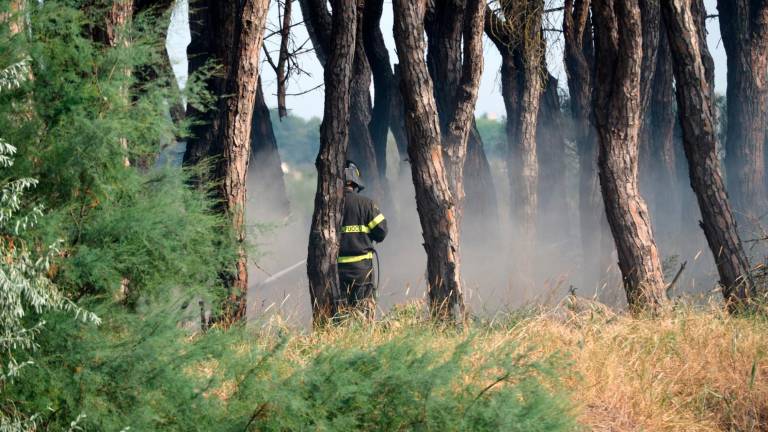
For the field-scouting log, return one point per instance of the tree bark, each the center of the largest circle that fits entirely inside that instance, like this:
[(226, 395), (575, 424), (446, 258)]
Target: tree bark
[(237, 116), (579, 66), (323, 248), (265, 167), (211, 25), (617, 107), (480, 206), (383, 82), (361, 147), (550, 144), (658, 170), (282, 77), (519, 40), (435, 204), (744, 30), (697, 117)]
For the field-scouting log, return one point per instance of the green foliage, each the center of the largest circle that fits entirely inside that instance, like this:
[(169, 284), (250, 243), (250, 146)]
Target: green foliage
[(298, 139), (494, 136), (147, 375)]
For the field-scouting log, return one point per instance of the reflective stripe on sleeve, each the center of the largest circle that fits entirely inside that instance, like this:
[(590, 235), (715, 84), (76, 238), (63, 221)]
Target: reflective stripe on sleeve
[(377, 220), (355, 229), (354, 259)]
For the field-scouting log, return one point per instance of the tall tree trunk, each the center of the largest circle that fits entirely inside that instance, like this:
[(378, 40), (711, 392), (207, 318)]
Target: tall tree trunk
[(744, 29), (480, 207), (657, 147), (445, 26), (550, 143), (697, 117), (265, 168), (617, 106), (383, 82), (519, 40), (237, 115), (435, 203), (323, 250), (579, 67), (361, 148), (211, 25)]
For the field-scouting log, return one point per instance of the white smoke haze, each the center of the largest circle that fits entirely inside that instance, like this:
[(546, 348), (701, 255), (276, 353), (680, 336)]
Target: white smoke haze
[(495, 276)]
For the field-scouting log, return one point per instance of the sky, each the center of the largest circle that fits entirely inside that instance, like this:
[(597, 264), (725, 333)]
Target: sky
[(489, 96)]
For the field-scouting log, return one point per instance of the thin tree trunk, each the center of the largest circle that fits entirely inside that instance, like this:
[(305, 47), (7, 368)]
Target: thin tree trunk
[(697, 117), (617, 106), (282, 78), (744, 30), (434, 201), (323, 250), (265, 168), (237, 117)]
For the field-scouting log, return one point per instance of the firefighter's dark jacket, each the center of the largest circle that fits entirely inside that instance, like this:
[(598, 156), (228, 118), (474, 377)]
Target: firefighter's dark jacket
[(362, 225)]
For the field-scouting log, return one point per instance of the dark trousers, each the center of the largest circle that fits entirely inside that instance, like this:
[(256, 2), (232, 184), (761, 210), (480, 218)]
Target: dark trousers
[(356, 280)]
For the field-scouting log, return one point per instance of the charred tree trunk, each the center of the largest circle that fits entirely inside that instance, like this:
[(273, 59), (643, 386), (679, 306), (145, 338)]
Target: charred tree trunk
[(323, 248), (617, 107), (697, 117), (744, 29), (265, 167), (435, 203), (237, 115), (518, 38)]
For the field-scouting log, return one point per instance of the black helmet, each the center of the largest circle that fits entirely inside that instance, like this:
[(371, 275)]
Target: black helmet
[(352, 175)]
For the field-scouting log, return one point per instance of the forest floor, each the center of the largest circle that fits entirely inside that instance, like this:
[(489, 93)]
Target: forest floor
[(691, 369)]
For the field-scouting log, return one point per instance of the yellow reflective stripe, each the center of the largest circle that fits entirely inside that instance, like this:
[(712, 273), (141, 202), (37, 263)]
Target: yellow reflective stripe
[(355, 229), (377, 220), (354, 259)]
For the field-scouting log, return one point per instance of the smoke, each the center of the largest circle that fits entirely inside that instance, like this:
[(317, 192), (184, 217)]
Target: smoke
[(499, 272)]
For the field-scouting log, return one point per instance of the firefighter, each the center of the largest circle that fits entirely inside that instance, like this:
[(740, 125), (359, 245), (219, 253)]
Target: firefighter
[(362, 225)]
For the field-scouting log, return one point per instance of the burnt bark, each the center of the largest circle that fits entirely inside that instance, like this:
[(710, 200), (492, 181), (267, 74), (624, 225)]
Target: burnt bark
[(697, 118), (617, 107), (323, 248), (435, 203), (744, 30), (266, 173), (517, 36)]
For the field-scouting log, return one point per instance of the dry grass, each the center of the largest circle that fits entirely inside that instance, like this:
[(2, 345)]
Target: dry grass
[(693, 369)]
